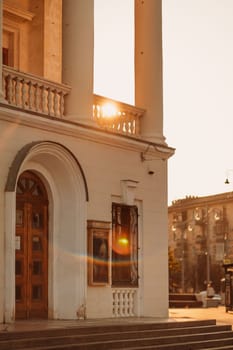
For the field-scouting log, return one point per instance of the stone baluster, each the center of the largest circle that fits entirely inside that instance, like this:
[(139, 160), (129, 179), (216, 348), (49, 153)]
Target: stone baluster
[(133, 122), (56, 103), (121, 302), (4, 84), (24, 94), (17, 92), (130, 125), (117, 303), (126, 303), (31, 95), (114, 125), (137, 125), (131, 303), (114, 304), (127, 123), (121, 125), (9, 89), (37, 97), (98, 111), (43, 99), (94, 111), (50, 102), (62, 104)]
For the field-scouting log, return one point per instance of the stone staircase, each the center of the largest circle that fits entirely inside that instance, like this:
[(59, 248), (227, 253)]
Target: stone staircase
[(183, 300), (172, 335)]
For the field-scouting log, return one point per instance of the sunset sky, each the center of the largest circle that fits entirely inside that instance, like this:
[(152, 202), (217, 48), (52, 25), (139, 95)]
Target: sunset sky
[(198, 85)]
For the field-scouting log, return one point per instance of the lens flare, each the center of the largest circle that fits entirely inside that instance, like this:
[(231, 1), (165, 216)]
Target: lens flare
[(121, 246), (123, 241)]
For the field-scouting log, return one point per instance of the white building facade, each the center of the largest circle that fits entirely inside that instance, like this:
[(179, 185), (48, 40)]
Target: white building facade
[(83, 192)]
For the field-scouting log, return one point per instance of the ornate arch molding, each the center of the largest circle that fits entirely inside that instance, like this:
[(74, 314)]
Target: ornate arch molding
[(25, 152)]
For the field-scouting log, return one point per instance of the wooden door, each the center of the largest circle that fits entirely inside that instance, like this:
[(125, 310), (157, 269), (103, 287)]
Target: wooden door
[(31, 248)]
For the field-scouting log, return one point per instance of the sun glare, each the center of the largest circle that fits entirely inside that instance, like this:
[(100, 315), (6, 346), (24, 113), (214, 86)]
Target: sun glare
[(109, 110)]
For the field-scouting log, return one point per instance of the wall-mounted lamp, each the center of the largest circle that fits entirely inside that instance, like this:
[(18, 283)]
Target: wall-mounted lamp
[(144, 154), (144, 158), (156, 152)]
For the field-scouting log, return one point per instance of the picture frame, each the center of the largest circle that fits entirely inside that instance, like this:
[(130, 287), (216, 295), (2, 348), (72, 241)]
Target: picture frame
[(98, 253)]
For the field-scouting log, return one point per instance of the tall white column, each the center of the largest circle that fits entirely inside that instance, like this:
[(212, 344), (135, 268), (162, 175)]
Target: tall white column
[(78, 58), (1, 28), (148, 67)]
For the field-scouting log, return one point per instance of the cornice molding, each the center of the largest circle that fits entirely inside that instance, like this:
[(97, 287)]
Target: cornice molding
[(19, 14), (85, 132)]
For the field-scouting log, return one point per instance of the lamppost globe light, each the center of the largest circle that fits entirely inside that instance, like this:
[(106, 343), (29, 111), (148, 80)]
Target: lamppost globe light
[(190, 228), (173, 228)]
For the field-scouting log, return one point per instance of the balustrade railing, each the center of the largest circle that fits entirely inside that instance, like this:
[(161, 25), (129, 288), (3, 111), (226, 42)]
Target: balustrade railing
[(117, 116), (29, 92), (123, 301)]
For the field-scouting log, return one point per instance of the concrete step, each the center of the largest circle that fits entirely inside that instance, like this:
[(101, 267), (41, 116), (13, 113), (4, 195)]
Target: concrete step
[(181, 300), (119, 327), (207, 345), (110, 336), (166, 335), (185, 304), (182, 296), (227, 347)]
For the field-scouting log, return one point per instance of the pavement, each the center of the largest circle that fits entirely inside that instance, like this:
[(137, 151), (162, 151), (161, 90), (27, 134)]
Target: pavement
[(185, 314), (217, 313)]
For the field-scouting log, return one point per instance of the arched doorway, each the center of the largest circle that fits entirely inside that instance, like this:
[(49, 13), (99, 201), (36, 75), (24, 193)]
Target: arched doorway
[(64, 184), (31, 248)]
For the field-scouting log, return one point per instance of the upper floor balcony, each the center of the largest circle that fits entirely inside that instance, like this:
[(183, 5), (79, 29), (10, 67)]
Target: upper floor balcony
[(31, 93), (38, 57), (117, 116)]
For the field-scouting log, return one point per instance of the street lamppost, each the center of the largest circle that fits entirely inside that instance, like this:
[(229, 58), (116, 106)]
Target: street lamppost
[(183, 227), (227, 176), (202, 218)]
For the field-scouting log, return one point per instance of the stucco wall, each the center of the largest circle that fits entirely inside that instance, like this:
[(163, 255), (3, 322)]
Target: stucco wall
[(104, 166)]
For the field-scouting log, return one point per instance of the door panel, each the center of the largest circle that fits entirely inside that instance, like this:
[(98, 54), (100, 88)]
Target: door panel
[(31, 254)]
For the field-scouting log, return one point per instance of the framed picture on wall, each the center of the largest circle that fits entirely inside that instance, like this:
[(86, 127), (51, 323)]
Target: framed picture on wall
[(98, 253)]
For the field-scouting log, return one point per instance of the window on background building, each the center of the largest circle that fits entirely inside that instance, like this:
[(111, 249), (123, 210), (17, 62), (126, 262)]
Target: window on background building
[(124, 245), (5, 55), (10, 43)]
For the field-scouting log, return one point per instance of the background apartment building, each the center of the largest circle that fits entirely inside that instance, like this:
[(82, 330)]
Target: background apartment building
[(200, 239)]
